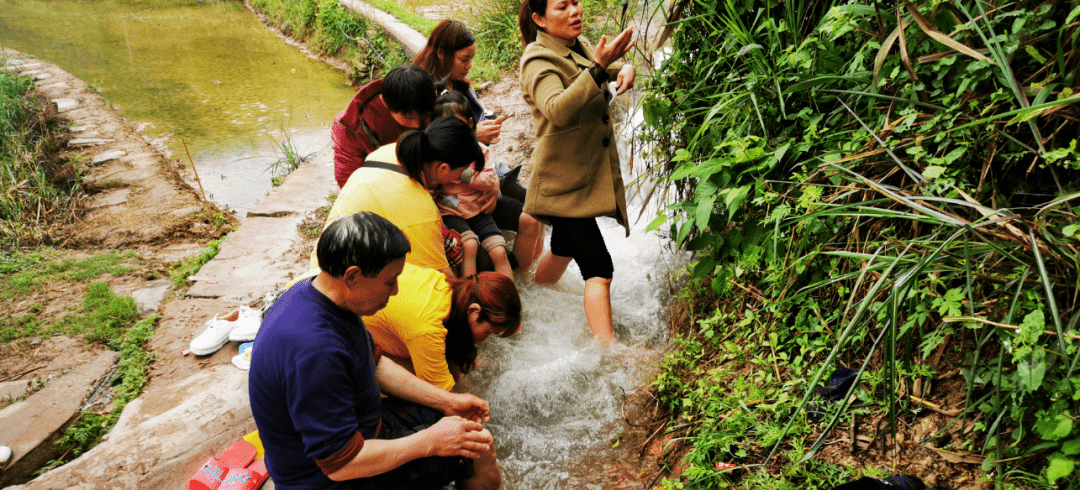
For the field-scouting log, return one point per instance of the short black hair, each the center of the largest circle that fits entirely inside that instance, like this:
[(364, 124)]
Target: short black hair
[(363, 239), (408, 89)]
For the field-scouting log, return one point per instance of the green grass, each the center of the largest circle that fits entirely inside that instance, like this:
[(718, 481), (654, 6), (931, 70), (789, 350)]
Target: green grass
[(25, 273), (422, 24), (38, 192), (289, 157), (102, 318), (721, 384), (326, 26), (132, 374), (191, 265)]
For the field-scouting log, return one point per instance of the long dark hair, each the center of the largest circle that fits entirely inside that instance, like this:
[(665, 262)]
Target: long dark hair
[(525, 23), (449, 37), (500, 306), (447, 139)]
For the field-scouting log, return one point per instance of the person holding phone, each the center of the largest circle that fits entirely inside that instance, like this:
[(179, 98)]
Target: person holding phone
[(448, 56)]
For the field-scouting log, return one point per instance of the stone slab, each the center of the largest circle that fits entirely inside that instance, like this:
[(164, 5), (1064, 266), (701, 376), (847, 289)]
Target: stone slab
[(55, 86), (193, 419), (250, 262), (13, 389), (112, 198), (309, 184), (65, 105), (149, 298), (29, 427), (81, 142), (411, 40), (22, 64), (42, 76), (84, 127), (108, 156)]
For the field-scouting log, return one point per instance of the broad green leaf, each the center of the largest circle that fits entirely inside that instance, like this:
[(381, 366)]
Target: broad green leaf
[(1072, 447), (1054, 427), (704, 267), (1029, 374), (1032, 327), (954, 155), (1034, 53), (1060, 466), (703, 212), (933, 171), (1070, 230), (655, 223)]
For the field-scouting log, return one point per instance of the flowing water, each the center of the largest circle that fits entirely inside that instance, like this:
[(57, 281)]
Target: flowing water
[(555, 392), (206, 71)]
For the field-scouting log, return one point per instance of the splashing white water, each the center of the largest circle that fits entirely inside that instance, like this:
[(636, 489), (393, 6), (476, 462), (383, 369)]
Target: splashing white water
[(554, 390)]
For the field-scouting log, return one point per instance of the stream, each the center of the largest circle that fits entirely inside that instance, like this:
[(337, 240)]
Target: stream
[(555, 393), (173, 67)]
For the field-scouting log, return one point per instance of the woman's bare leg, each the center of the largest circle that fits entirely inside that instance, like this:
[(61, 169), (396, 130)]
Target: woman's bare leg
[(598, 307), (551, 268), (529, 242), (501, 261)]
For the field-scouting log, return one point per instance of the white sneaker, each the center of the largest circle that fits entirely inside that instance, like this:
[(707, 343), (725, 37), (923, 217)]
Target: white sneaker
[(247, 325), (5, 456), (215, 336), (243, 359)]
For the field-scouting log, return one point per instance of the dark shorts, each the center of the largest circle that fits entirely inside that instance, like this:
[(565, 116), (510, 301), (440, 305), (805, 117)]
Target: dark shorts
[(507, 213), (482, 224), (581, 239), (401, 418)]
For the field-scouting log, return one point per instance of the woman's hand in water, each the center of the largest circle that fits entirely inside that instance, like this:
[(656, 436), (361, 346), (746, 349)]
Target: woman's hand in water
[(625, 81), (606, 53), (487, 132)]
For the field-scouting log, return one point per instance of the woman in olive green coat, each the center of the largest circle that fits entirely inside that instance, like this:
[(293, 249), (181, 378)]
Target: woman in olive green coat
[(576, 175)]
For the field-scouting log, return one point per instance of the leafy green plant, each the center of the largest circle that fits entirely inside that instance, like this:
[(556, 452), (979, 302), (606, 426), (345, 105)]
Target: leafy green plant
[(289, 157), (896, 180), (330, 29)]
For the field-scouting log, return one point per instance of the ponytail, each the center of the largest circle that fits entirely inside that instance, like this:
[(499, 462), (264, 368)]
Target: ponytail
[(411, 151), (525, 23), (447, 139)]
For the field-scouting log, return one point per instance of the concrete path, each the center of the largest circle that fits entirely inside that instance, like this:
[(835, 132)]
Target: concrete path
[(409, 38)]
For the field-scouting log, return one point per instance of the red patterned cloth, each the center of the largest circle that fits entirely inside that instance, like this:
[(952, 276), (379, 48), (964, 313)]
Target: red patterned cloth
[(452, 244)]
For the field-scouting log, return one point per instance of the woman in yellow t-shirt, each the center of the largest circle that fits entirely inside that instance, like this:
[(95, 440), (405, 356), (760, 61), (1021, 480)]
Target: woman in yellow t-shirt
[(434, 322), (395, 180)]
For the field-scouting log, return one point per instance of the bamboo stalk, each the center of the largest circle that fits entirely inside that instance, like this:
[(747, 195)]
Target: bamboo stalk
[(956, 319), (194, 170)]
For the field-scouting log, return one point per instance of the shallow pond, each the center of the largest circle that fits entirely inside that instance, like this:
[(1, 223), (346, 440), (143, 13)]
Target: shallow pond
[(206, 71)]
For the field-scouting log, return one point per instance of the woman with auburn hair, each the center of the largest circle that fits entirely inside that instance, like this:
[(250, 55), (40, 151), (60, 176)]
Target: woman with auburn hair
[(576, 174), (434, 323)]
